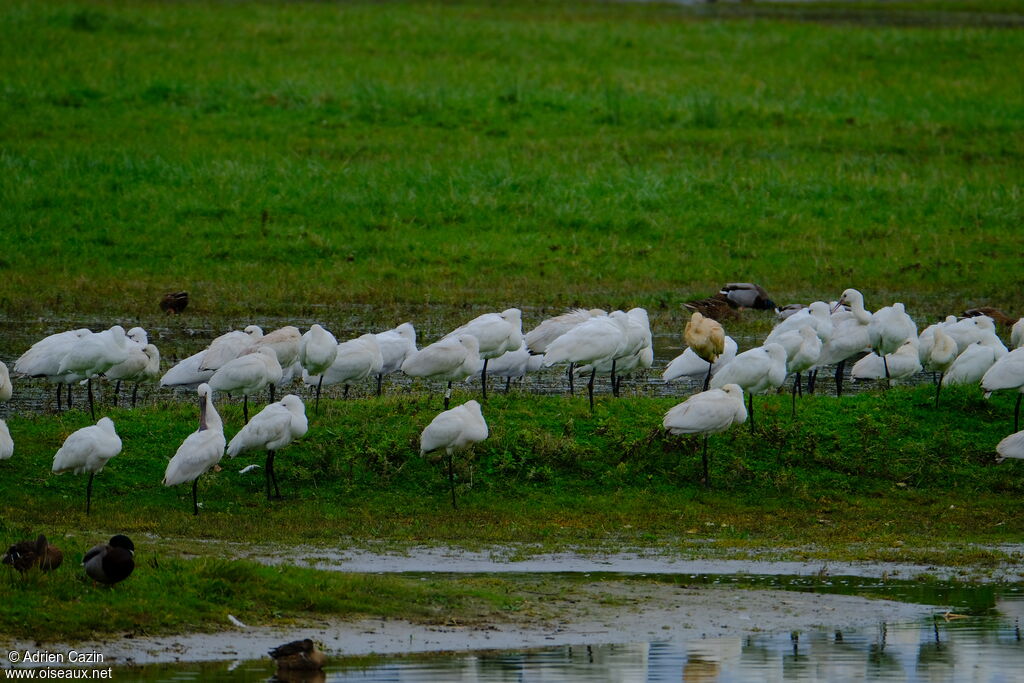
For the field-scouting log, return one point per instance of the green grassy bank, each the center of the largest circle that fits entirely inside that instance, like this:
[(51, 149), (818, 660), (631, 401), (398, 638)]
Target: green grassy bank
[(273, 157)]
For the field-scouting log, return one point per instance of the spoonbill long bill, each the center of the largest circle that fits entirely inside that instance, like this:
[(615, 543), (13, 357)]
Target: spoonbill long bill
[(88, 450), (454, 430), (270, 430), (708, 412), (201, 450)]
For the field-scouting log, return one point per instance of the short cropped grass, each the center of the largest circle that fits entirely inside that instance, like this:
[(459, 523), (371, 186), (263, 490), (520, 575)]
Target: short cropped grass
[(278, 157)]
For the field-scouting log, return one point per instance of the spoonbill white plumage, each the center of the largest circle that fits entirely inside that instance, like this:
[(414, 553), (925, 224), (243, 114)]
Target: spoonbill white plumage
[(637, 352), (187, 373), (201, 450), (44, 357), (691, 366), (592, 342), (708, 412), (6, 388), (755, 371), (286, 343), (816, 315), (849, 334), (88, 450), (270, 430), (903, 362), (706, 337), (142, 365), (355, 360), (317, 351), (514, 364), (452, 359), (230, 346), (6, 442), (889, 328), (1007, 373), (1017, 334), (395, 346), (747, 295), (454, 430), (937, 351), (496, 334), (248, 375), (539, 338), (94, 354), (1011, 447), (803, 348), (971, 365), (970, 330)]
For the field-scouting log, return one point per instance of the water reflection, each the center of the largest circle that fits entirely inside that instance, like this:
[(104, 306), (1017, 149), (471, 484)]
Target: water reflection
[(981, 648)]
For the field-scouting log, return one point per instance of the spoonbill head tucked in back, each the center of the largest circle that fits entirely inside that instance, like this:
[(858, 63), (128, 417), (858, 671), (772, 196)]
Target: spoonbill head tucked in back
[(270, 430), (248, 375), (142, 364), (937, 351), (1007, 373), (286, 343), (971, 365), (88, 450), (889, 328), (230, 346), (454, 430), (594, 342), (755, 371), (849, 334), (1011, 447), (706, 338), (903, 362), (539, 338), (44, 357), (803, 349), (708, 412), (691, 366), (187, 373), (1017, 334), (201, 450), (356, 360), (451, 359), (395, 346), (317, 351), (94, 354), (496, 334)]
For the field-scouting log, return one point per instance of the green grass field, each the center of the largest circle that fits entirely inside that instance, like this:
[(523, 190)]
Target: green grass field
[(349, 160), (274, 157)]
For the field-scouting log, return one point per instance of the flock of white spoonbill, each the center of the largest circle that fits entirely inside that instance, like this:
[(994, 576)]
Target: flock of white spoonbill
[(960, 350)]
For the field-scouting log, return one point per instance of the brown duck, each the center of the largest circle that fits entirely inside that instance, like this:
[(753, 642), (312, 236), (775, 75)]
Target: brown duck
[(38, 553), (174, 302), (299, 654)]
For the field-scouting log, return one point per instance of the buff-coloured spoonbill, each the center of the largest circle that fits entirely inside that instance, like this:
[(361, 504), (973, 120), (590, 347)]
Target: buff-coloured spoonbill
[(706, 338)]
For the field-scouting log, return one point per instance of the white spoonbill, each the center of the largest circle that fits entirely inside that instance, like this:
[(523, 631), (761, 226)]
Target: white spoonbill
[(248, 375), (6, 388), (451, 359), (1007, 373), (317, 351), (1017, 334), (230, 346), (889, 328), (816, 315), (142, 365), (706, 337), (1011, 447), (6, 442), (971, 365), (803, 348), (187, 373), (94, 354), (454, 430), (691, 366), (395, 346), (201, 450), (496, 333), (270, 430), (286, 343), (937, 351), (539, 338), (849, 334), (755, 371), (637, 352), (903, 362), (355, 360), (88, 450), (593, 342), (708, 412), (514, 364), (44, 357), (970, 330)]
